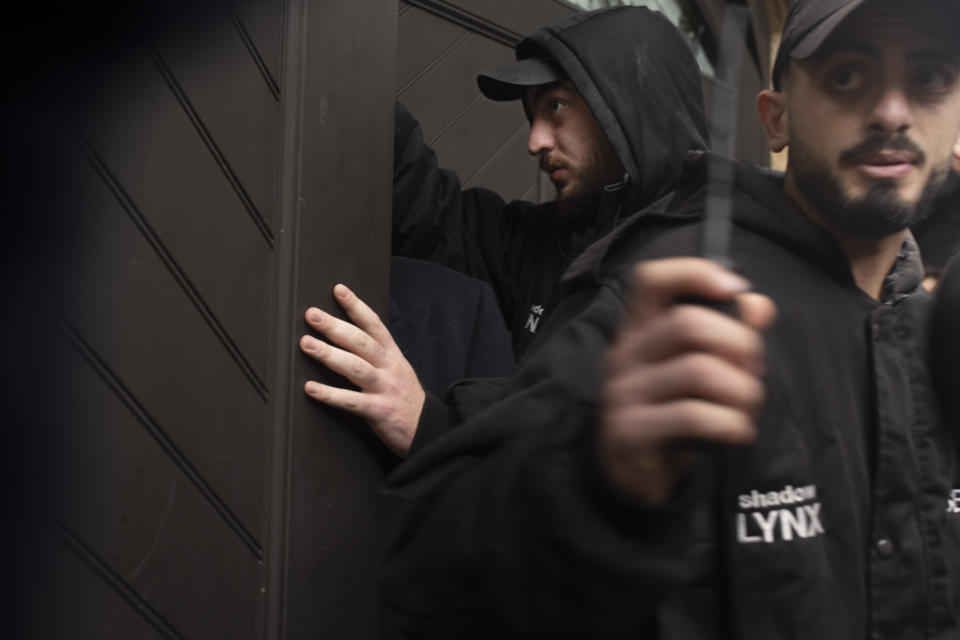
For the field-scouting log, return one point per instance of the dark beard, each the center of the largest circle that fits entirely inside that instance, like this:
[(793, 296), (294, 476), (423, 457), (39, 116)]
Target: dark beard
[(880, 211), (577, 208), (582, 205)]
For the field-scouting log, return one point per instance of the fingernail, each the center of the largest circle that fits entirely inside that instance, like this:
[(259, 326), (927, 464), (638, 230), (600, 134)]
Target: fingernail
[(732, 282), (314, 315), (341, 291)]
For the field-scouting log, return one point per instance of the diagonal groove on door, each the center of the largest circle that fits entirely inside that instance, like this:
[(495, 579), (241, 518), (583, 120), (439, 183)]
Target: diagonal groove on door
[(159, 435), (178, 274), (258, 60), (109, 576), (211, 144)]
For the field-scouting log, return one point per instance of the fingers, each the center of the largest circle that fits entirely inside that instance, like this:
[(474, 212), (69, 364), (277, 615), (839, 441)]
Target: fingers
[(680, 373), (648, 462), (362, 315), (366, 337), (390, 396), (756, 311), (687, 327), (658, 283), (356, 369), (680, 420), (352, 401), (657, 328), (353, 339), (693, 397), (692, 375), (394, 423)]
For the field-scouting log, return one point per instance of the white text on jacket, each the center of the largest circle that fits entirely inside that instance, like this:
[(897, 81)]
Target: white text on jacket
[(953, 502), (771, 516), (533, 320)]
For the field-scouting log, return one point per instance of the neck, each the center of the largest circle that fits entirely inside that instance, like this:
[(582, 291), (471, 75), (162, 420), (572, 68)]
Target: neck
[(871, 259)]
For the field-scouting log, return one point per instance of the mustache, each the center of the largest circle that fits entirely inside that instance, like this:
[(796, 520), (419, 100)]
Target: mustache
[(879, 142), (547, 165)]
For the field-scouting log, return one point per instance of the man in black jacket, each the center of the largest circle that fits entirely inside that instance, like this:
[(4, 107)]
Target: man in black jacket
[(615, 103), (657, 469)]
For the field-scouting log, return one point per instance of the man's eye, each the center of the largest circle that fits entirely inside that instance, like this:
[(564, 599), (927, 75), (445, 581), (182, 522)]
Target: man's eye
[(556, 104), (845, 79), (932, 79)]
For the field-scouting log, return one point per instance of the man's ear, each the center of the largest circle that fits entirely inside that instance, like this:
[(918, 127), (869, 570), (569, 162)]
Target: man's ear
[(772, 108), (956, 156)]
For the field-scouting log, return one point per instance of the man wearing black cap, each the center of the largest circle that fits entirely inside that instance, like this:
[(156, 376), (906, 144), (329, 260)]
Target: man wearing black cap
[(658, 469), (615, 103)]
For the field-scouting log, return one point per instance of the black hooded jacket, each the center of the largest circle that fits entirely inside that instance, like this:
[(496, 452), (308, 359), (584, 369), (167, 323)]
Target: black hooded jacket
[(842, 520), (640, 80), (939, 233)]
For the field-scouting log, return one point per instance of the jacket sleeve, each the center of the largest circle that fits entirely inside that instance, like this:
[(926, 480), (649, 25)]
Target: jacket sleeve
[(436, 418), (508, 523), (435, 219), (462, 400)]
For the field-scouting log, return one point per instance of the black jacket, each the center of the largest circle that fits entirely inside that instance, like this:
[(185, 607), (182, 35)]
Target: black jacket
[(447, 324), (642, 84), (939, 233), (841, 521)]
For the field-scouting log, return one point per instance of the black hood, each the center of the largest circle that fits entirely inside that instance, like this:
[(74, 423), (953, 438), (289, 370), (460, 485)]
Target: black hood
[(639, 77), (939, 233)]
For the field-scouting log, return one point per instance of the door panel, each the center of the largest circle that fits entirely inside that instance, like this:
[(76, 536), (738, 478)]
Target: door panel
[(338, 210), (135, 318), (185, 197), (78, 601), (146, 515), (456, 72), (238, 108), (198, 177)]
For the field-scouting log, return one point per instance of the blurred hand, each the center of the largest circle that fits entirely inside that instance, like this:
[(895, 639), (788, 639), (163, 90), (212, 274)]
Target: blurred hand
[(680, 373), (390, 396)]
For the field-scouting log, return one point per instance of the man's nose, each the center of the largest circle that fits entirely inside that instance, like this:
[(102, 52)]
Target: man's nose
[(891, 112), (541, 137)]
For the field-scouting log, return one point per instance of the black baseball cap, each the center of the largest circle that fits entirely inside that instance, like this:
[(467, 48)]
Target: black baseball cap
[(511, 82), (809, 23)]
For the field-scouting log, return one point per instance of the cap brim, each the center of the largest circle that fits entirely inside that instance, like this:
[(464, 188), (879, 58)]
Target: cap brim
[(511, 82)]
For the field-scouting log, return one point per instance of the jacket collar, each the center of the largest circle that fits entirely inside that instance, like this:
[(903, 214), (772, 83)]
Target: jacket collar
[(761, 206)]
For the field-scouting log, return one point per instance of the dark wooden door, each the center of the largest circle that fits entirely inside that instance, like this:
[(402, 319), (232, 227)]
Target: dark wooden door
[(191, 180)]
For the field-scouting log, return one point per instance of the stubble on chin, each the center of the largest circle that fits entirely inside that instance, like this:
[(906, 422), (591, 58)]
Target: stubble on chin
[(878, 211)]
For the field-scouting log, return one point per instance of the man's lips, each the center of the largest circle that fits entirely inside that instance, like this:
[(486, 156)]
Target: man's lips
[(885, 165), (556, 172)]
